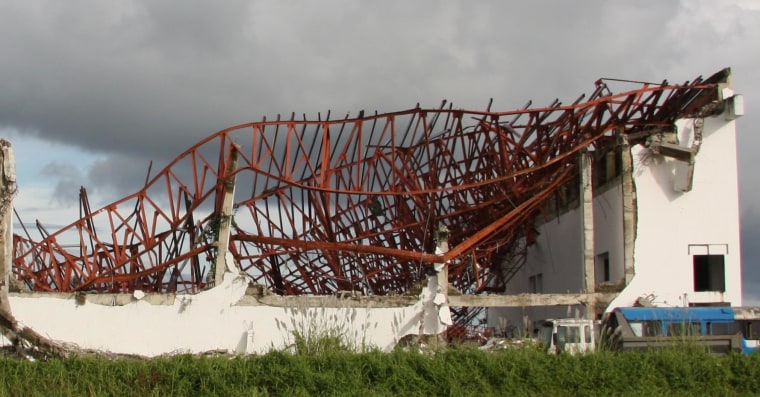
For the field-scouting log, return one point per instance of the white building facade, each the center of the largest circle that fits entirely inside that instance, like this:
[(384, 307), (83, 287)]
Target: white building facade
[(661, 227)]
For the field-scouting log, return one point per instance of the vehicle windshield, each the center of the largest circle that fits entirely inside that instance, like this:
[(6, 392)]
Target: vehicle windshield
[(572, 333)]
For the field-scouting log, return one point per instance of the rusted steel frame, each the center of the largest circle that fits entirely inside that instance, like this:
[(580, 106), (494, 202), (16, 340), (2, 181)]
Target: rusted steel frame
[(479, 236), (302, 162), (84, 213), (278, 281), (88, 265), (386, 268), (703, 88), (427, 190), (58, 269), (520, 156), (528, 131), (272, 148), (399, 178), (173, 249), (138, 217), (107, 279), (646, 105), (367, 274), (675, 101), (312, 134), (566, 125), (147, 238), (503, 142), (117, 259), (300, 272), (347, 219), (271, 256), (45, 272), (401, 222), (336, 246), (563, 129)]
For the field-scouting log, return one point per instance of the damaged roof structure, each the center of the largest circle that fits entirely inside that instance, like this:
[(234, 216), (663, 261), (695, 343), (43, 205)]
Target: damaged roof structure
[(361, 204)]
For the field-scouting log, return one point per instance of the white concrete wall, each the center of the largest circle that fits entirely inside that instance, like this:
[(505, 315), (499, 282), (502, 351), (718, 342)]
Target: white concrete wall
[(669, 221), (213, 320), (558, 256), (608, 221)]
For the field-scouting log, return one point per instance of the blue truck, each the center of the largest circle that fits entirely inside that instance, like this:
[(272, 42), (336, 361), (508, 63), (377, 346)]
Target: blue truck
[(719, 329)]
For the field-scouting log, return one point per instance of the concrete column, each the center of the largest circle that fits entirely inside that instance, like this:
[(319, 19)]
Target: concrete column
[(587, 221), (225, 222), (442, 269), (629, 206), (7, 191)]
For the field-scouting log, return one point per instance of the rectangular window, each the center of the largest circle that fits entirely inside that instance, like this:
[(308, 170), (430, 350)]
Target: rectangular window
[(536, 283), (683, 329), (722, 328), (602, 264), (750, 329), (637, 328), (587, 333), (652, 328), (572, 333), (606, 165), (709, 273)]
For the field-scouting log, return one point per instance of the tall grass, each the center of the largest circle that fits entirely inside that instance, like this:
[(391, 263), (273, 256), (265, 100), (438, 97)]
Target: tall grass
[(453, 371), (314, 332)]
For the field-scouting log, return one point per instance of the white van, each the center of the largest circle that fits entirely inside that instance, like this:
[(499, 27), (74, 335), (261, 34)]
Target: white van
[(568, 335)]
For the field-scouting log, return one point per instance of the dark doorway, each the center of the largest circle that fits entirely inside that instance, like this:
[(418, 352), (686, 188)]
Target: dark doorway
[(709, 273)]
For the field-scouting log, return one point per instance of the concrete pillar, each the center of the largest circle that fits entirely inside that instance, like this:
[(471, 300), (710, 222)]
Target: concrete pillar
[(587, 221), (7, 191), (225, 222), (629, 206), (442, 269)]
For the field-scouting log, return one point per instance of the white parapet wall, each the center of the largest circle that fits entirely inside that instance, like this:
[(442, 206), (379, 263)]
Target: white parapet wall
[(221, 319)]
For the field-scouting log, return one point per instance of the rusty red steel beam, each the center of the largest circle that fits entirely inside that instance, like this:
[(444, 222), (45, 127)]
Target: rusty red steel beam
[(413, 256)]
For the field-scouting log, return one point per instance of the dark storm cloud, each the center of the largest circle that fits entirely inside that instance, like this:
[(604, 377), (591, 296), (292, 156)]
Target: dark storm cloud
[(750, 231), (66, 190), (150, 78), (136, 81), (147, 79)]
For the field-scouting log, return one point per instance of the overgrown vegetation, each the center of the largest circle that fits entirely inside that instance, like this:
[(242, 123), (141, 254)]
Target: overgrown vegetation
[(324, 330), (453, 371)]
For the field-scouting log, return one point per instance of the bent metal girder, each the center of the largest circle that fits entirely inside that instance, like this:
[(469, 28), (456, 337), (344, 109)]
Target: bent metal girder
[(351, 204)]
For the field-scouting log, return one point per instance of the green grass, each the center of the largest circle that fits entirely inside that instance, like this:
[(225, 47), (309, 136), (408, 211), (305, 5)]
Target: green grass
[(449, 372)]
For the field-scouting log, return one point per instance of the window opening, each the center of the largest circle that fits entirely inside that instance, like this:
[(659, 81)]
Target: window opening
[(536, 283), (572, 333), (587, 333), (709, 273), (603, 266)]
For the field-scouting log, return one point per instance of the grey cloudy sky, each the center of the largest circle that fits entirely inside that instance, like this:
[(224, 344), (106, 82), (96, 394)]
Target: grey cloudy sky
[(107, 87)]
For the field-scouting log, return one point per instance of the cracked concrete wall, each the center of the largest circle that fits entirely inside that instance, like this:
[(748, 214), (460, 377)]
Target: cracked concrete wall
[(217, 320), (671, 223)]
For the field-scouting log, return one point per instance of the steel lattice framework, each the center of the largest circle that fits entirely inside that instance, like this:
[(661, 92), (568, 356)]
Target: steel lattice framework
[(352, 204)]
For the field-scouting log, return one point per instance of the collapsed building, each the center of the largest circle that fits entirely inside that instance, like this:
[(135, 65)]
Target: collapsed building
[(653, 222), (384, 226)]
